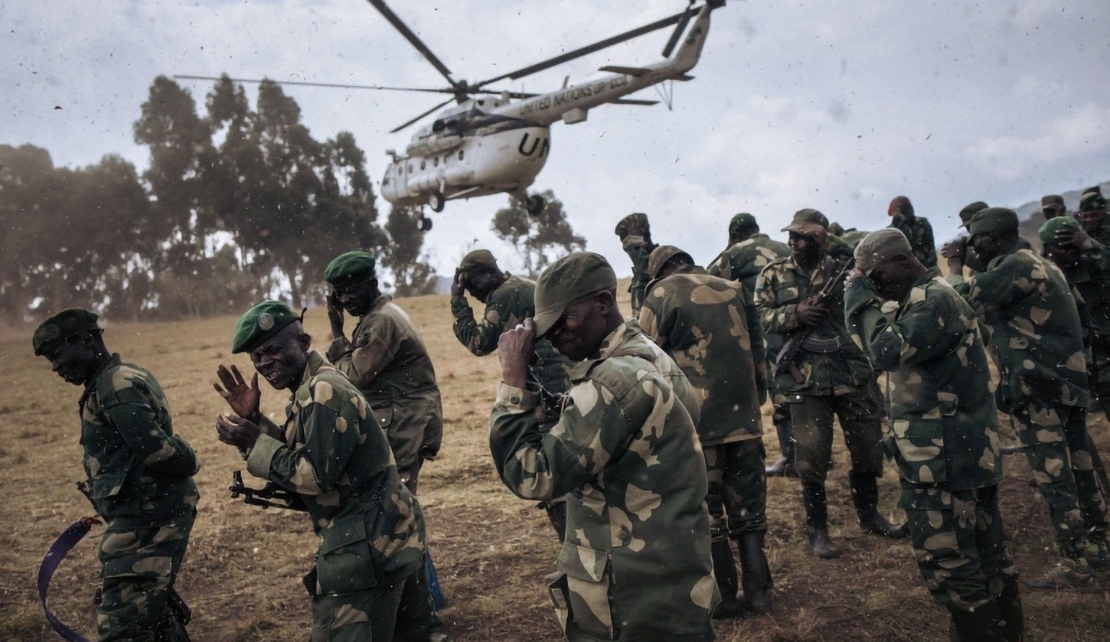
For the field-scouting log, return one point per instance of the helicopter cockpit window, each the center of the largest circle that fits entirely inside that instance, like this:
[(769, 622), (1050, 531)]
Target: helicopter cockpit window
[(437, 126)]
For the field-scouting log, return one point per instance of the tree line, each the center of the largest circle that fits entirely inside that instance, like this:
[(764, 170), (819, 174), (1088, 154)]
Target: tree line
[(238, 203)]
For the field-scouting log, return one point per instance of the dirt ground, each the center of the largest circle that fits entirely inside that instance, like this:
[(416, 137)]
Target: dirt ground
[(242, 576)]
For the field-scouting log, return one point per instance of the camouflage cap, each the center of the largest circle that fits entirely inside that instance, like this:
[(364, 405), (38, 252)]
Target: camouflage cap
[(567, 281), (1092, 201), (62, 326), (661, 255), (350, 267), (899, 204), (807, 221), (880, 246), (1052, 200), (993, 219), (477, 259), (1047, 233), (741, 221), (260, 323), (633, 220), (970, 210)]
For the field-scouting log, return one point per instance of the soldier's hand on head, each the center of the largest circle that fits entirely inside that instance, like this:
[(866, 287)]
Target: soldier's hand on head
[(1071, 236), (458, 288), (239, 432), (335, 314), (954, 249), (515, 349), (810, 313), (244, 399)]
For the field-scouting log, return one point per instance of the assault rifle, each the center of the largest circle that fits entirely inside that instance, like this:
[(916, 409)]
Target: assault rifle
[(789, 353), (269, 495)]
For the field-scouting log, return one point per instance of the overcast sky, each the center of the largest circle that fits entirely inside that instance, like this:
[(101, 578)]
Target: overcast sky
[(828, 104)]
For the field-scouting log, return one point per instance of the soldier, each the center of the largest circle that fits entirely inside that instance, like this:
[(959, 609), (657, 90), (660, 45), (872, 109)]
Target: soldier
[(829, 375), (509, 300), (636, 561), (750, 251), (386, 358), (634, 232), (1053, 206), (1038, 341), (945, 432), (368, 581), (1092, 214), (851, 236), (710, 327), (140, 480), (916, 229)]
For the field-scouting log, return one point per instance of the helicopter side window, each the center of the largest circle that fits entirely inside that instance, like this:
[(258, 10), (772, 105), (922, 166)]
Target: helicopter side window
[(435, 161), (409, 168), (460, 154), (423, 163)]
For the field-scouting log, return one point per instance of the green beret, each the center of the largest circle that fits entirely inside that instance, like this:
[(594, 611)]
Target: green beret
[(259, 324), (808, 221), (993, 219), (661, 255), (350, 267), (1092, 201), (567, 281), (970, 210), (62, 326), (741, 221), (879, 247), (1052, 200), (635, 219), (899, 204), (1053, 225), (477, 259)]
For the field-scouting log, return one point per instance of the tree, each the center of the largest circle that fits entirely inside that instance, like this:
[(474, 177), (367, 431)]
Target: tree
[(540, 239), (412, 274)]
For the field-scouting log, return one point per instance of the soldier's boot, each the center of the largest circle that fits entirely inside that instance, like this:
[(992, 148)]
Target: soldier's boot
[(1071, 571), (724, 570), (755, 574), (865, 495), (984, 624), (1009, 606), (1097, 554), (817, 520), (784, 466)]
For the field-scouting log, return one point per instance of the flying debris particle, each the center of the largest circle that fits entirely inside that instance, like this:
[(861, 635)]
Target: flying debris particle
[(57, 106), (928, 137)]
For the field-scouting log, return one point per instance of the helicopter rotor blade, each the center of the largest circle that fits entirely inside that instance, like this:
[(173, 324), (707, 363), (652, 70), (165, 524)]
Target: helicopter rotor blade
[(388, 14), (304, 83), (413, 120), (577, 53), (633, 101)]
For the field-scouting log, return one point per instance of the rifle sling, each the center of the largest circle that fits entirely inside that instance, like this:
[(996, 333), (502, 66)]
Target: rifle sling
[(58, 551)]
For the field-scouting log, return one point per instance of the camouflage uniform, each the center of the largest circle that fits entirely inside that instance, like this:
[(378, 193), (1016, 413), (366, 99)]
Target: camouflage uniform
[(916, 228), (387, 360), (140, 479), (636, 559), (638, 247), (1037, 332), (944, 435)]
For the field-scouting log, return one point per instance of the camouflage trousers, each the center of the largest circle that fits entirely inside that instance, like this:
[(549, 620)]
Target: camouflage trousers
[(737, 488), (1055, 439), (139, 563), (402, 611), (812, 419), (958, 542), (1098, 372)]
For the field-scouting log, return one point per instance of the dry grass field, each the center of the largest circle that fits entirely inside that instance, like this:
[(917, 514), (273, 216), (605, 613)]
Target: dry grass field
[(242, 574)]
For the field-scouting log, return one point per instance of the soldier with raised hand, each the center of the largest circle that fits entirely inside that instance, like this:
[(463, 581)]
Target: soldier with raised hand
[(944, 436), (916, 228), (386, 358), (1092, 215), (828, 376), (140, 480), (1037, 335), (710, 327), (509, 300), (368, 582), (634, 232), (636, 563)]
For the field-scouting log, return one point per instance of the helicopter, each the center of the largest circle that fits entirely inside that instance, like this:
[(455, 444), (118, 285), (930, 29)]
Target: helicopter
[(497, 141)]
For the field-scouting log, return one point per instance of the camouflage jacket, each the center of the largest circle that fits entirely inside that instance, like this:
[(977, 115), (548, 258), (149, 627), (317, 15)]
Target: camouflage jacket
[(136, 466), (626, 454), (511, 303), (781, 286), (710, 328), (1035, 328), (944, 428), (332, 453), (744, 261), (639, 250), (387, 360), (1091, 278), (920, 234)]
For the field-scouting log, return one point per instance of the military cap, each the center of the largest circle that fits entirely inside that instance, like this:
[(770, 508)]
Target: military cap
[(808, 221), (741, 221), (1053, 225), (477, 259), (836, 229), (62, 326), (970, 210), (568, 281), (880, 246), (993, 219), (635, 219), (661, 255), (899, 204), (1052, 200), (260, 323), (1091, 201), (350, 267)]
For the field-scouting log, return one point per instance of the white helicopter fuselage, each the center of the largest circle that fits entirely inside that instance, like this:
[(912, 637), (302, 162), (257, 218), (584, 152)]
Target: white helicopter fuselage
[(491, 145)]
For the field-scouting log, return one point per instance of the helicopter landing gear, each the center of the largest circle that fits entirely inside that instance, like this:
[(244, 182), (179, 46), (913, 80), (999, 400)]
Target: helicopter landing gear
[(534, 204), (424, 223), (435, 201)]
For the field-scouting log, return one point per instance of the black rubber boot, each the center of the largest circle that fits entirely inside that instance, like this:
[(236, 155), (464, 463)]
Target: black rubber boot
[(724, 570), (1009, 606), (865, 495), (755, 574), (984, 624), (817, 520), (784, 466)]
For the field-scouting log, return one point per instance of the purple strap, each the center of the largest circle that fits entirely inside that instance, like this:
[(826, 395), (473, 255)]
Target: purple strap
[(65, 542)]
